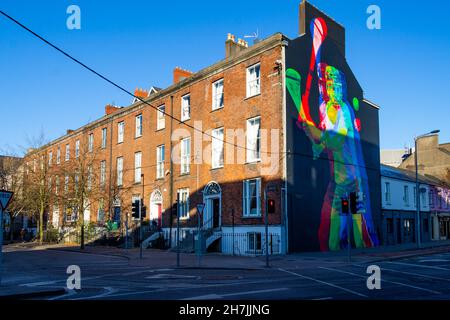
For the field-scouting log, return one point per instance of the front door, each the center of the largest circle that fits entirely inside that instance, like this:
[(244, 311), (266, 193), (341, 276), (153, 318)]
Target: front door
[(211, 215), (159, 205), (216, 212)]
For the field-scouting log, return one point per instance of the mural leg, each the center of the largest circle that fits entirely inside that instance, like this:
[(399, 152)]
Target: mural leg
[(325, 219)]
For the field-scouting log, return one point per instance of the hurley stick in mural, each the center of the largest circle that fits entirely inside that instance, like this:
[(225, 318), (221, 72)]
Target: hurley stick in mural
[(337, 134)]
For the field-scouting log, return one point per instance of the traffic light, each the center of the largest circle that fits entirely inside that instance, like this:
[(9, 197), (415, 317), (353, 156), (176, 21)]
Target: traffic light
[(135, 209), (344, 204), (353, 205), (271, 206), (174, 209), (144, 211)]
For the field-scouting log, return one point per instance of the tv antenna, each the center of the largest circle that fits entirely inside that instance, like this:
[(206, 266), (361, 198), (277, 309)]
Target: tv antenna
[(255, 36)]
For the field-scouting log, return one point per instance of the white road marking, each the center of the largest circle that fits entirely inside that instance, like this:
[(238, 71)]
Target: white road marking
[(418, 265), (66, 295), (243, 293), (433, 260), (409, 273), (394, 282), (171, 276), (187, 288), (325, 283), (109, 290)]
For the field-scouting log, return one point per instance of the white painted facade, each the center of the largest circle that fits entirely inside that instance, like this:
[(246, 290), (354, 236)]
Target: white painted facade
[(400, 195)]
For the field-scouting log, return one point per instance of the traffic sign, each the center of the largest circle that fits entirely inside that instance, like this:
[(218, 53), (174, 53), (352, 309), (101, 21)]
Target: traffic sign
[(5, 198)]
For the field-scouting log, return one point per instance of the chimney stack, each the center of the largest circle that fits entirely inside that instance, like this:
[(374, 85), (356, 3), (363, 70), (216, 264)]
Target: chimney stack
[(141, 93), (110, 109), (181, 74), (232, 48)]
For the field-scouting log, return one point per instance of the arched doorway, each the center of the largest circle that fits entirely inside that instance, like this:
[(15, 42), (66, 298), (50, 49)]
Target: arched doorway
[(156, 201), (212, 198)]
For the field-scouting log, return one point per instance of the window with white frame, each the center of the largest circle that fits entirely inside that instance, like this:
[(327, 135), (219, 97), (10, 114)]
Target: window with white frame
[(138, 131), (77, 148), (387, 192), (252, 197), (217, 148), (101, 211), (423, 198), (66, 183), (91, 142), (120, 131), (119, 171), (406, 195), (253, 80), (185, 155), (76, 180), (160, 117), (50, 158), (67, 158), (137, 167), (217, 94), (56, 185), (183, 203), (102, 173), (160, 162), (415, 196), (431, 196), (185, 107), (104, 134), (254, 139), (89, 178), (58, 155)]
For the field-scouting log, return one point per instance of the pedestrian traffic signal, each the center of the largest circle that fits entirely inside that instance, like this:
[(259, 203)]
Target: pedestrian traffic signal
[(135, 209), (271, 206), (353, 200), (344, 204)]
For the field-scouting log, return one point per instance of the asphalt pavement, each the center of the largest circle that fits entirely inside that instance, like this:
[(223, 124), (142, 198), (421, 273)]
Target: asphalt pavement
[(115, 275)]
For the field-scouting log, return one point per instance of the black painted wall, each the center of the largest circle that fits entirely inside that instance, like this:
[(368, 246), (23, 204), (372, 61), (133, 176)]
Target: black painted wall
[(308, 179)]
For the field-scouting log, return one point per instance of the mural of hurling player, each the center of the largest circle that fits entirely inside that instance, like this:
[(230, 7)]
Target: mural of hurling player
[(337, 135)]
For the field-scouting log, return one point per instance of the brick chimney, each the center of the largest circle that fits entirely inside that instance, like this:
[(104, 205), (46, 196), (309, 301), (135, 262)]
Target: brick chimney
[(232, 48), (109, 109), (69, 131), (180, 74), (141, 93)]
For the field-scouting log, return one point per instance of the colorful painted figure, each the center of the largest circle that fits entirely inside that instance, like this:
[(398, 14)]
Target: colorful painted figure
[(337, 134)]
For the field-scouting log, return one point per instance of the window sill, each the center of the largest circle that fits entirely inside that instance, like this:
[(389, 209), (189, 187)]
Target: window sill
[(252, 217), (184, 218), (121, 142), (137, 137), (216, 168), (249, 97), (185, 174), (253, 161), (160, 129)]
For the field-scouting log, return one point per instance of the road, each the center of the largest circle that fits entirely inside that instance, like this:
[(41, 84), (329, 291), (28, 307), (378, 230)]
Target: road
[(115, 277)]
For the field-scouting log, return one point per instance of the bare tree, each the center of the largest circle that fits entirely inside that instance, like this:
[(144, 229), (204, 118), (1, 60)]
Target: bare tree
[(83, 173), (37, 188), (11, 179)]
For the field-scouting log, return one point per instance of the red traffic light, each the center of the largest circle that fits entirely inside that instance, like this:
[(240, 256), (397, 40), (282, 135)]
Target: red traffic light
[(271, 206), (344, 204)]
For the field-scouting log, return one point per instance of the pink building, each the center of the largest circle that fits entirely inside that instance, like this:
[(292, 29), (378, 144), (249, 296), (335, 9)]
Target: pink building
[(440, 212)]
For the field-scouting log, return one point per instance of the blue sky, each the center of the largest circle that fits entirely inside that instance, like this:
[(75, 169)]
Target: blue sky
[(403, 67)]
